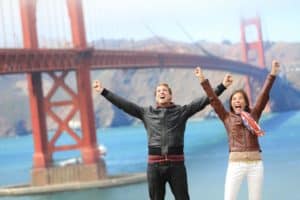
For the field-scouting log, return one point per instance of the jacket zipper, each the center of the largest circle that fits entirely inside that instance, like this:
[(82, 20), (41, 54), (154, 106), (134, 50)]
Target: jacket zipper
[(164, 135), (245, 136)]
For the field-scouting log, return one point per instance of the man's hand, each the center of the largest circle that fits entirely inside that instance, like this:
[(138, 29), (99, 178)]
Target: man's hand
[(275, 67), (227, 81), (98, 86), (199, 74)]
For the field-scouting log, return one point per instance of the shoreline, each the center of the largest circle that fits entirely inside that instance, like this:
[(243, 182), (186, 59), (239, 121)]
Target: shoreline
[(111, 181)]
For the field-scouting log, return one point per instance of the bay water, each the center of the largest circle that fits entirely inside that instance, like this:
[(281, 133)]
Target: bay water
[(206, 153)]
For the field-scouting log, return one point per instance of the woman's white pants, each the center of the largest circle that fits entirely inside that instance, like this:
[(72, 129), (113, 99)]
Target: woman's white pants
[(236, 171)]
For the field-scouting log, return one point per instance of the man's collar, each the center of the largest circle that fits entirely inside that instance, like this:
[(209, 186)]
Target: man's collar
[(169, 105)]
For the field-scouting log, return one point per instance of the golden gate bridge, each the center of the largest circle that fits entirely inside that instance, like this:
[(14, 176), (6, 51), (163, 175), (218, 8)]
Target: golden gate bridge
[(77, 56)]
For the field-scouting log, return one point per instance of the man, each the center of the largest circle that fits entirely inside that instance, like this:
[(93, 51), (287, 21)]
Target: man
[(165, 124)]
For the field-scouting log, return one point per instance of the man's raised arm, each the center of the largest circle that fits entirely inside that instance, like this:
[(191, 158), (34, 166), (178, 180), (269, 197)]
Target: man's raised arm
[(127, 106)]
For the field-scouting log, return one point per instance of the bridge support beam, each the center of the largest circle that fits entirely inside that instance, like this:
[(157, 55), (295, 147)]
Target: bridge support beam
[(89, 149), (89, 146), (40, 156)]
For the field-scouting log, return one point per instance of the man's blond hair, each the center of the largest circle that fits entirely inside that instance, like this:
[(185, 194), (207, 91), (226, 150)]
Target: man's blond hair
[(163, 84)]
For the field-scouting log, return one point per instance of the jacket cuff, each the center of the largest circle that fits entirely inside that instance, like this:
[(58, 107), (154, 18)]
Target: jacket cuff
[(272, 76), (205, 82), (221, 87), (104, 92)]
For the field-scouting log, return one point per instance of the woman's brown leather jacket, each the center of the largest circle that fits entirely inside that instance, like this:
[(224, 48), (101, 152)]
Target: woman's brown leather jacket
[(240, 139)]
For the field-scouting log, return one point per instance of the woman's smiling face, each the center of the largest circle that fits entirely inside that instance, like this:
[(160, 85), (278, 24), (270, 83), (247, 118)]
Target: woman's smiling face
[(238, 103)]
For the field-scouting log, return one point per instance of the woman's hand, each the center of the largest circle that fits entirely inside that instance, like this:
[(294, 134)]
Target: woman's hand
[(227, 81), (199, 74), (275, 68)]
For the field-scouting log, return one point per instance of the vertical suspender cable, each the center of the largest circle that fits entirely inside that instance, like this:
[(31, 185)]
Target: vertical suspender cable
[(95, 18), (58, 24), (92, 21), (42, 24), (17, 25), (98, 28), (2, 25), (64, 20), (60, 8), (55, 24), (86, 19), (51, 33), (53, 27), (12, 23)]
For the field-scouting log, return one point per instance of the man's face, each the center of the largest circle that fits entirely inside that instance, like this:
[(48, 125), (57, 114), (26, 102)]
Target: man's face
[(163, 96)]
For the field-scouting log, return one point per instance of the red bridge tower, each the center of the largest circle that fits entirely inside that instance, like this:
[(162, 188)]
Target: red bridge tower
[(42, 105), (253, 48)]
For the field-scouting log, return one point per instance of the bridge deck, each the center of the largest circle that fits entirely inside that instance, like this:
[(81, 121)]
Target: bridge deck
[(43, 60)]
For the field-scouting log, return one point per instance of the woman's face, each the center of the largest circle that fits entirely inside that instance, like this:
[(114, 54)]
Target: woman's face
[(238, 102)]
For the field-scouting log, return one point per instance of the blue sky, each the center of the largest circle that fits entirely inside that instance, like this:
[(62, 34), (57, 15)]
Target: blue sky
[(179, 20), (192, 20)]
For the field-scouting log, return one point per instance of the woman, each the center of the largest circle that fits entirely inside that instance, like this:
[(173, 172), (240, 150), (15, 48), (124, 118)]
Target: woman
[(245, 153)]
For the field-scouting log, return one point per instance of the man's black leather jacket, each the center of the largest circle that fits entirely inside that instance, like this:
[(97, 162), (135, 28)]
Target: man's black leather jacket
[(165, 126)]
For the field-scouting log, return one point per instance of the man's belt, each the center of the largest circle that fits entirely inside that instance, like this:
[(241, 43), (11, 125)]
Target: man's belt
[(165, 158)]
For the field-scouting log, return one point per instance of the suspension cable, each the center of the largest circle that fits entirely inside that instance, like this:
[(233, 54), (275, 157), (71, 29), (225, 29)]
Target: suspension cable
[(192, 40), (158, 38)]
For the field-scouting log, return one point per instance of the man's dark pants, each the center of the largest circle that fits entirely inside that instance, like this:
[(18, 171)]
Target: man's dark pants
[(174, 173)]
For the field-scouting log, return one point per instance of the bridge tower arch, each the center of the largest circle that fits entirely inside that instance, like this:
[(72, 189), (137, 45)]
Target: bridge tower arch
[(252, 48)]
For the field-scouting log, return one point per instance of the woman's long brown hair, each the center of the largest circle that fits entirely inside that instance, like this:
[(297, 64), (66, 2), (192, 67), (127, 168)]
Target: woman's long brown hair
[(247, 107)]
